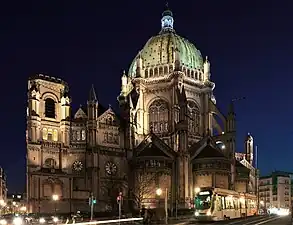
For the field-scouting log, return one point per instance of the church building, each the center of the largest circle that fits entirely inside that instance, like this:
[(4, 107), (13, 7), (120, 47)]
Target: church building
[(168, 135)]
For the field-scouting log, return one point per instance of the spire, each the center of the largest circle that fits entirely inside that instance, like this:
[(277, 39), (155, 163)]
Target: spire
[(167, 19), (92, 95), (231, 108)]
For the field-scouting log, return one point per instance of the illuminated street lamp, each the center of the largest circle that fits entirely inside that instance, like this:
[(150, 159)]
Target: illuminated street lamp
[(55, 199), (159, 193), (196, 190)]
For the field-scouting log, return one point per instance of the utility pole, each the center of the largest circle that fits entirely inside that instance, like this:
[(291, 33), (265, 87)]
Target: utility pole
[(119, 202), (92, 202)]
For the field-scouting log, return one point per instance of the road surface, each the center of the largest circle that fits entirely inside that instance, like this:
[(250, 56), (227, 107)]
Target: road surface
[(265, 220)]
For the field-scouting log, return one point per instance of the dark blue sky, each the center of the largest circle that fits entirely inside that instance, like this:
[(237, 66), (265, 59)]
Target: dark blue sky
[(249, 44)]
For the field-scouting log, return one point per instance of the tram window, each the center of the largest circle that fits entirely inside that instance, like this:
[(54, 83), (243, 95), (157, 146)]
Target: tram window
[(219, 203), (229, 203), (223, 202), (236, 204)]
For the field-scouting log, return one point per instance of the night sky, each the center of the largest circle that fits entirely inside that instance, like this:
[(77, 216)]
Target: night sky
[(249, 44)]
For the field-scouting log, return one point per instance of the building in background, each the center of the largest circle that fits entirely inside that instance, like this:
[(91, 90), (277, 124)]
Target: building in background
[(248, 159), (3, 186), (275, 190), (169, 135), (16, 203)]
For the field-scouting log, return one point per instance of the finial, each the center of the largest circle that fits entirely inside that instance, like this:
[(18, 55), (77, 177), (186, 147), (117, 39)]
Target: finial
[(110, 107), (124, 73), (80, 105), (207, 58), (167, 5)]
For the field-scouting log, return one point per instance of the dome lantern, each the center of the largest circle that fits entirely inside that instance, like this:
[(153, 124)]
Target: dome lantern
[(167, 20)]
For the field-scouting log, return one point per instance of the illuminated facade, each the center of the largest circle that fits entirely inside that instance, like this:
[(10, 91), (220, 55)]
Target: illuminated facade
[(275, 190), (166, 137)]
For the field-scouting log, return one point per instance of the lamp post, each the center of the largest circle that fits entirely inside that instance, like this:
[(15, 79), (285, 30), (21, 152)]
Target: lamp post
[(159, 193), (55, 198)]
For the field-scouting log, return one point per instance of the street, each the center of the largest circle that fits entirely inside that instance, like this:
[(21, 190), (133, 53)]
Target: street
[(267, 220)]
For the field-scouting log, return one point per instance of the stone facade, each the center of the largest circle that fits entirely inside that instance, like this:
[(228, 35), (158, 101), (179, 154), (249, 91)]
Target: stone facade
[(168, 135)]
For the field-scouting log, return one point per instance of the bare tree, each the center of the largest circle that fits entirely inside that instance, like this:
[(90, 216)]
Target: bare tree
[(145, 186)]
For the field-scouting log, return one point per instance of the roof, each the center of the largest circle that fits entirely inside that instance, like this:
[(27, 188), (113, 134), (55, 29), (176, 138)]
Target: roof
[(160, 49)]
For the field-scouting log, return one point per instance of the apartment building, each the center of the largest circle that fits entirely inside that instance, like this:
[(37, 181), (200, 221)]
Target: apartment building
[(275, 190)]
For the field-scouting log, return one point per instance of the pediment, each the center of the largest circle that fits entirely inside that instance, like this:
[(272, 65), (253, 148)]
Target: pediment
[(153, 146), (241, 168), (108, 117), (80, 114), (206, 148)]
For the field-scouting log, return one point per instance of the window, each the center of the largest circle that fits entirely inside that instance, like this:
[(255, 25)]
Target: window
[(159, 116), (55, 135), (47, 190), (83, 135), (58, 189), (50, 108), (50, 135), (193, 124), (78, 135), (50, 163), (45, 134)]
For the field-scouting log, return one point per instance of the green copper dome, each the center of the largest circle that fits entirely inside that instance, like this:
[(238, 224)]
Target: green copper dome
[(159, 50)]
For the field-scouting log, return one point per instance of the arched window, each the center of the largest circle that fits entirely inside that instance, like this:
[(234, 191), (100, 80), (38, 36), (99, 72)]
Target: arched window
[(51, 163), (55, 135), (50, 108), (47, 189), (50, 135), (58, 189), (83, 136), (45, 134), (159, 116), (194, 119), (78, 135)]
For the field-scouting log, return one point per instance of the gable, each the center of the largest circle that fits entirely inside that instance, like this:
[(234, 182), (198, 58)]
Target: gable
[(153, 151), (206, 148), (80, 114), (153, 146), (209, 152), (108, 117)]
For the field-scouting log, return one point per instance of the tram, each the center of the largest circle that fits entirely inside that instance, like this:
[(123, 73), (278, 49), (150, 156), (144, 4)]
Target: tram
[(217, 204)]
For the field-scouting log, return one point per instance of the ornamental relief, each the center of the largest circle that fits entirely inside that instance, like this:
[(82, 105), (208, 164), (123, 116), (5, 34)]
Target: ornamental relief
[(33, 148), (217, 165)]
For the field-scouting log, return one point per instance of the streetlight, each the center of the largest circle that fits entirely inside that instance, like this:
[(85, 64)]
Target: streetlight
[(55, 198), (159, 193), (196, 190)]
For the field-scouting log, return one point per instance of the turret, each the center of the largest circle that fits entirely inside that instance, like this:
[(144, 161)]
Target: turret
[(124, 83), (33, 112), (231, 119), (138, 66), (92, 105), (65, 116), (249, 148), (207, 69)]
